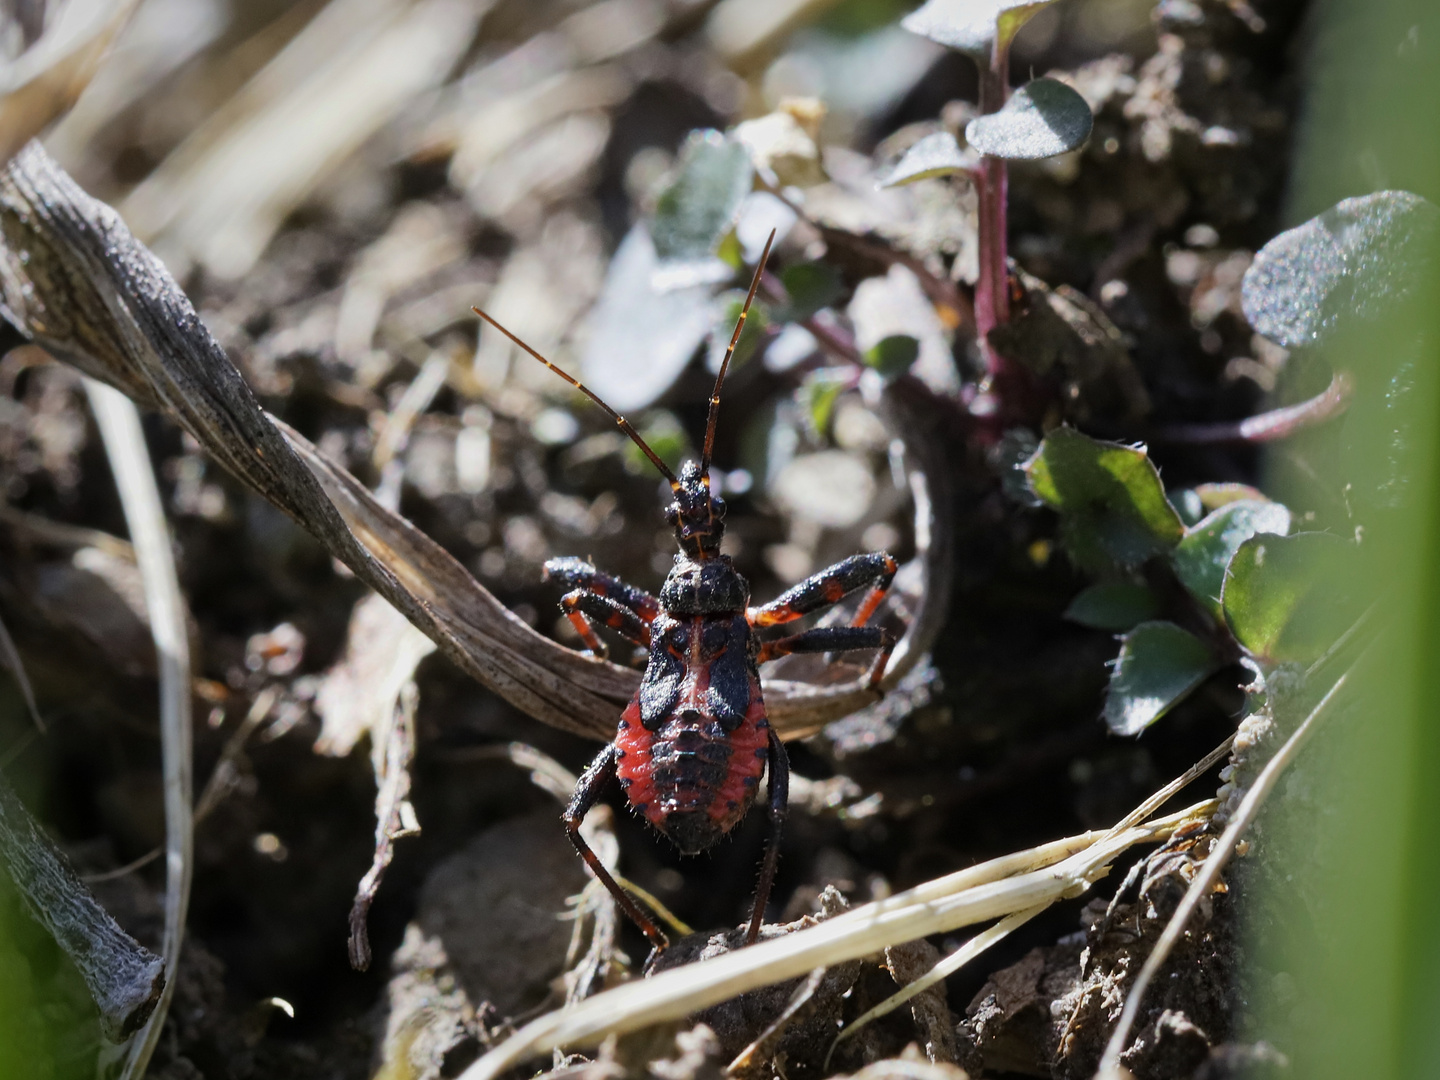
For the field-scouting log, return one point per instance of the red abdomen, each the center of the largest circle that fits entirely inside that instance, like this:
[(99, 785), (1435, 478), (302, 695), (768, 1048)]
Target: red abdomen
[(694, 741)]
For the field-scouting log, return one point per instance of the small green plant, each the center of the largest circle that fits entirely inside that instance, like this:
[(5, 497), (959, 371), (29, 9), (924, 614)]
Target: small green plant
[(1236, 584), (1042, 119)]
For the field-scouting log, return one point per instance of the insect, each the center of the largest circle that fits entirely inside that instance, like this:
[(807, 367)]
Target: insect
[(694, 742)]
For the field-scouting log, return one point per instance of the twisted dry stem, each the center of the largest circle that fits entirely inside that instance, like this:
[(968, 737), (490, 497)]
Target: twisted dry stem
[(75, 281)]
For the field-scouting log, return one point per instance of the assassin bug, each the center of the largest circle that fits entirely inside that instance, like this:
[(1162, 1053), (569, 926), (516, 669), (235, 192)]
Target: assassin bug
[(694, 741)]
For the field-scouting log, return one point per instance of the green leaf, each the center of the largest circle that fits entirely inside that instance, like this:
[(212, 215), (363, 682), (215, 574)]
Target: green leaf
[(697, 207), (665, 436), (1358, 260), (1040, 120), (818, 394), (727, 313), (892, 356), (1113, 605), (811, 286), (1288, 598), (1201, 558), (1113, 509), (1159, 664), (939, 154), (973, 26)]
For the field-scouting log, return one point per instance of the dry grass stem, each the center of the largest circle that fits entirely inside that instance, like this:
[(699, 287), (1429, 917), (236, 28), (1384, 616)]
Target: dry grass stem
[(119, 423), (10, 658), (990, 890), (220, 197), (45, 79)]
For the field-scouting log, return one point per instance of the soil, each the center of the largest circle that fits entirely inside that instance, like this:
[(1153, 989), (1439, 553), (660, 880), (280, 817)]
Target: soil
[(1131, 253)]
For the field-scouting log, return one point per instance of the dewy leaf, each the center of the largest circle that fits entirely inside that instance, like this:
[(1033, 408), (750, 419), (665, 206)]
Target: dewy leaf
[(1358, 259), (698, 206), (1043, 118), (972, 26), (1290, 598), (1159, 664), (1113, 509), (1113, 605), (939, 154), (1201, 558), (892, 356), (642, 338)]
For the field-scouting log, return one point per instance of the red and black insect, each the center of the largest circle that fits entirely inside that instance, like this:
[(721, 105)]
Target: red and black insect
[(694, 742)]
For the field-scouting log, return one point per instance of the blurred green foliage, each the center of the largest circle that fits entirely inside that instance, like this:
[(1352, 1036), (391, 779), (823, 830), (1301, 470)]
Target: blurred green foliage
[(1369, 959)]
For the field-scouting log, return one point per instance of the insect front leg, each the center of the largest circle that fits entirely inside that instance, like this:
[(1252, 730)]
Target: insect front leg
[(835, 639), (779, 808), (584, 608), (578, 574), (830, 587), (587, 794)]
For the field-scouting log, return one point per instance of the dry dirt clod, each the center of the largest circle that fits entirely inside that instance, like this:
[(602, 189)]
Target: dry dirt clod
[(929, 1008), (496, 906), (794, 1022)]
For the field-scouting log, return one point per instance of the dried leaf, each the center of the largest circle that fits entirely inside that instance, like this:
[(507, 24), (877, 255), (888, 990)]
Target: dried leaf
[(359, 694), (220, 196)]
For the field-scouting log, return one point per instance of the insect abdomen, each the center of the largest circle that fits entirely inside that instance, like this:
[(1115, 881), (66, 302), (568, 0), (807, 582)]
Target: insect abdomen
[(689, 778)]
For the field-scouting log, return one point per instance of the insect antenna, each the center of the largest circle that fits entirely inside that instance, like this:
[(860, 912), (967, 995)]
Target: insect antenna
[(620, 421), (725, 363)]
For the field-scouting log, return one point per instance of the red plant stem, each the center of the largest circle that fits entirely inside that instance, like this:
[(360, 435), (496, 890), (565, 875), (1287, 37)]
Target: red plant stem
[(992, 297), (1268, 426)]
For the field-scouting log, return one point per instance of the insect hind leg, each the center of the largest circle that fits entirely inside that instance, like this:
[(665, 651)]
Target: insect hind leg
[(587, 794), (779, 808)]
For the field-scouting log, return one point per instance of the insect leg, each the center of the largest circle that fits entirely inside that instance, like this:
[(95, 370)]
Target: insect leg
[(779, 807), (587, 794), (830, 587), (578, 574), (584, 608), (835, 639)]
